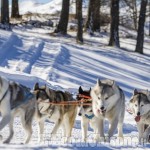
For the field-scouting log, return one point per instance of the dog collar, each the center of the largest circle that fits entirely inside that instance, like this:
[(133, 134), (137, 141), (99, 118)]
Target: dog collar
[(89, 116)]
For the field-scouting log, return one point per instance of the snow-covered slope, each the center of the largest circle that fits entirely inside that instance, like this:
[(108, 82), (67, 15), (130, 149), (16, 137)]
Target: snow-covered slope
[(52, 7), (29, 56)]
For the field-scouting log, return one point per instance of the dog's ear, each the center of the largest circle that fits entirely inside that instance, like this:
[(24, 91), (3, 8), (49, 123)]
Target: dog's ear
[(113, 83), (131, 100), (135, 92), (99, 82), (80, 90), (148, 94), (47, 90), (90, 89), (36, 86)]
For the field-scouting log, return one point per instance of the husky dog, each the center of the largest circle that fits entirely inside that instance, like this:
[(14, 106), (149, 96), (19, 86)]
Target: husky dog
[(140, 108), (16, 99), (61, 115), (88, 116), (108, 102)]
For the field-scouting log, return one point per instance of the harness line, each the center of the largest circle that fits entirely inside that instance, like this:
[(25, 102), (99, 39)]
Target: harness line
[(88, 99)]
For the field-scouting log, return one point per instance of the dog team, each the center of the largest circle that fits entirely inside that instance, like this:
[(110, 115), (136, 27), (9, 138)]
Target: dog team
[(105, 100)]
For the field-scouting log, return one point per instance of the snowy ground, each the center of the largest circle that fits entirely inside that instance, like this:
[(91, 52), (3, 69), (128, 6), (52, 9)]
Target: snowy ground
[(30, 55)]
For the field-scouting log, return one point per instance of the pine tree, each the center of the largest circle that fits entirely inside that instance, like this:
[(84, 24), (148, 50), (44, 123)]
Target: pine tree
[(64, 17), (5, 11), (93, 16), (79, 18), (114, 27), (140, 34), (15, 9)]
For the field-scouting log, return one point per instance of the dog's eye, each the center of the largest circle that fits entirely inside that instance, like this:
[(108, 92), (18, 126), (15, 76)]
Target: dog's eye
[(106, 98), (135, 105), (98, 97), (142, 105)]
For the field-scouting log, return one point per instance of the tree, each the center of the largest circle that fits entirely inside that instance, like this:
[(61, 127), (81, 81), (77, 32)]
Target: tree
[(64, 17), (140, 34), (114, 27), (79, 18), (5, 11), (93, 16), (15, 9), (132, 4)]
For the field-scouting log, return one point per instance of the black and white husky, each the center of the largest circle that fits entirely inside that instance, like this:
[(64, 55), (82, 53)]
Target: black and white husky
[(108, 102), (16, 100), (140, 109), (88, 117), (62, 115)]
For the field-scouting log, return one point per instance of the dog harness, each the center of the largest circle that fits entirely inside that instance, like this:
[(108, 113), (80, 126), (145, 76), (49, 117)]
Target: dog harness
[(89, 116), (27, 96)]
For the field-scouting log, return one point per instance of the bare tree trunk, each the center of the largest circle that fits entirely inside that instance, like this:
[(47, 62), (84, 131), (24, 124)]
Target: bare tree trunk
[(76, 10), (132, 4), (5, 11), (96, 16), (114, 27), (15, 9), (64, 17), (140, 36), (149, 17), (79, 18), (90, 6), (135, 13), (93, 16)]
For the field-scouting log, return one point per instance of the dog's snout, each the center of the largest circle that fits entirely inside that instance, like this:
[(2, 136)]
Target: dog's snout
[(102, 108), (138, 114), (79, 114)]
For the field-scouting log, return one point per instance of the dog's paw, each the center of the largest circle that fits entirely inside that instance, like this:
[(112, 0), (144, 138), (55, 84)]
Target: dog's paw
[(84, 140), (99, 139), (6, 142), (107, 139), (120, 138)]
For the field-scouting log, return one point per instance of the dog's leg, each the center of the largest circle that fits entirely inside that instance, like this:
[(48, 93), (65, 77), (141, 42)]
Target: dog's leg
[(68, 120), (84, 128), (10, 130), (146, 134), (120, 124), (140, 127), (120, 131), (112, 128), (5, 111), (96, 125), (101, 130), (27, 126), (40, 131), (57, 125)]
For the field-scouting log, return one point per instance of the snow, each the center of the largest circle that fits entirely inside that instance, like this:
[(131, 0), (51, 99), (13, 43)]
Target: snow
[(29, 55)]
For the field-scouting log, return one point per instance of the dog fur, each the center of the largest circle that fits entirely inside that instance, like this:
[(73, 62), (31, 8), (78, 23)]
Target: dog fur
[(140, 107), (61, 115), (108, 102), (88, 117), (16, 100)]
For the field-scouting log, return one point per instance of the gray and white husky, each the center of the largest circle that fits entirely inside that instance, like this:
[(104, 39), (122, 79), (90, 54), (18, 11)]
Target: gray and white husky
[(140, 108), (108, 102), (62, 115), (16, 100), (87, 115)]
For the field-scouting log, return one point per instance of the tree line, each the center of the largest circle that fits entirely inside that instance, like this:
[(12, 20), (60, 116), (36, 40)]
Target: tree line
[(92, 23)]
